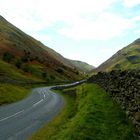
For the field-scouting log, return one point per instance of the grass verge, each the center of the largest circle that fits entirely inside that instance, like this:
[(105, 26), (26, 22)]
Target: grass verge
[(11, 93), (89, 115), (54, 126)]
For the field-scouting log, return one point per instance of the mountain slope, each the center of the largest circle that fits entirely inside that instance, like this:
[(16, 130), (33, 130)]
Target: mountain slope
[(29, 58), (127, 58), (82, 66)]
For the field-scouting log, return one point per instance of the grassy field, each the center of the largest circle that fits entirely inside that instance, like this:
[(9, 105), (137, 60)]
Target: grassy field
[(89, 115), (11, 93)]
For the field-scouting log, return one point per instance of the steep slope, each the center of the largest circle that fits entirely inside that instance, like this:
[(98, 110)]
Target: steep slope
[(82, 66), (29, 58), (127, 58)]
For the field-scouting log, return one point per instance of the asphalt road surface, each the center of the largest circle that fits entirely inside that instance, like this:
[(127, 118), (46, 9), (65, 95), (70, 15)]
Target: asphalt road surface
[(20, 120)]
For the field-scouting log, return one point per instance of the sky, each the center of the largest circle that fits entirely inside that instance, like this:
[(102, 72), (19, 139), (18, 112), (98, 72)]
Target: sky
[(86, 30)]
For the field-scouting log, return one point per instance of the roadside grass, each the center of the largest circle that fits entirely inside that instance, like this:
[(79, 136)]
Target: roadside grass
[(54, 126), (12, 93), (91, 115)]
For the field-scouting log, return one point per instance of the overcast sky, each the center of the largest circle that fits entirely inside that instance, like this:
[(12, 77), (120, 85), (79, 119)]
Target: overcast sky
[(86, 30)]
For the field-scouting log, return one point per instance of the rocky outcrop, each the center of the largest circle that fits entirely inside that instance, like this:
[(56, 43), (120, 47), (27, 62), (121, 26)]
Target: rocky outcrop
[(124, 88)]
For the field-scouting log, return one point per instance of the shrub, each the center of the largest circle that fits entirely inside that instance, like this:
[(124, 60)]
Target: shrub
[(27, 68), (24, 59), (44, 74), (7, 57), (52, 77), (18, 63), (59, 70)]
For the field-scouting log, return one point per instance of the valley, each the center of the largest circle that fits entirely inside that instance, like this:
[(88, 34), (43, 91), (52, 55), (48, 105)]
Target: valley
[(44, 95)]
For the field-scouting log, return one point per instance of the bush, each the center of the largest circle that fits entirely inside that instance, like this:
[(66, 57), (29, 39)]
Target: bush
[(24, 59), (52, 77), (7, 57), (27, 68), (44, 74), (59, 70), (18, 63)]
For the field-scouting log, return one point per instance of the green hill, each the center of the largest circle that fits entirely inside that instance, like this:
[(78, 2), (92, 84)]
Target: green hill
[(22, 58), (127, 58)]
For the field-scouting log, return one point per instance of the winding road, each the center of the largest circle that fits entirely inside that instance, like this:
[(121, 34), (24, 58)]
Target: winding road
[(20, 120)]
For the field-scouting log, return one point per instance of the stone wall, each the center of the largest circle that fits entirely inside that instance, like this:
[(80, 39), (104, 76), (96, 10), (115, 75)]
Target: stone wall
[(124, 88)]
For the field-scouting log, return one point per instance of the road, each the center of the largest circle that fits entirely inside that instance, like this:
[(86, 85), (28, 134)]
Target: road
[(20, 120)]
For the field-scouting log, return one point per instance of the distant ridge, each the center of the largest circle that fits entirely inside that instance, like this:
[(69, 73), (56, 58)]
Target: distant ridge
[(82, 66)]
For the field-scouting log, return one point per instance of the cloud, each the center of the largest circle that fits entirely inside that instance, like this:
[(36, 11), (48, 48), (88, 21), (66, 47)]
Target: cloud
[(105, 26), (131, 3), (84, 19), (136, 18), (37, 15), (137, 32)]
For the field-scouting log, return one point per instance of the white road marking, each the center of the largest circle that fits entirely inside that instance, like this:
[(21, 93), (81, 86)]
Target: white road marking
[(11, 116), (37, 103), (44, 95), (3, 119)]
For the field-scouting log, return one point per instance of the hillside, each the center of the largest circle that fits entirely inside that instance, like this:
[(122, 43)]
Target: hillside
[(23, 58), (127, 58), (82, 66)]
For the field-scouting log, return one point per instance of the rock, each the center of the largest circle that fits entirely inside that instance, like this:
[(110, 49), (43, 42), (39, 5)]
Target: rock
[(137, 116)]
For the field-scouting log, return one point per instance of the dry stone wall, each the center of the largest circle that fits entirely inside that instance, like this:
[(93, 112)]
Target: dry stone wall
[(124, 88)]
